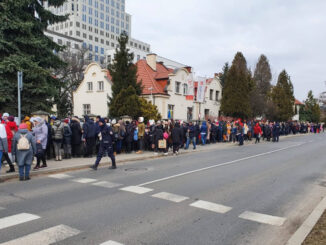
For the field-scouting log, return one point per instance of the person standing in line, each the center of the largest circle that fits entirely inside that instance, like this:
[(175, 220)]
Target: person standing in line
[(67, 139), (89, 135), (11, 129), (3, 142), (24, 148), (176, 138), (240, 134), (40, 132), (57, 135), (257, 132), (129, 136), (141, 134), (191, 136), (106, 144), (203, 133), (76, 135), (28, 123)]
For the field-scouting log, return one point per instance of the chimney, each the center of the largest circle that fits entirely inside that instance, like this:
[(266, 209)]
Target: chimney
[(151, 61)]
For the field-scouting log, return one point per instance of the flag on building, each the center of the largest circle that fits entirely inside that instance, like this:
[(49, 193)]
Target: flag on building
[(201, 89), (190, 82)]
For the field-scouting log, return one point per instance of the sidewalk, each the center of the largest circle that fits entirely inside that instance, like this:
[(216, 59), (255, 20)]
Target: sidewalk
[(83, 163)]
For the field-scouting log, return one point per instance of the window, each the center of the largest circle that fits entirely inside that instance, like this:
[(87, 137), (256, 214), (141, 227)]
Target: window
[(96, 13), (96, 49), (211, 91), (102, 41), (90, 56), (96, 39), (90, 11), (87, 109), (138, 57), (84, 17), (102, 24), (90, 47), (90, 20), (89, 86), (96, 22), (185, 89), (170, 112), (76, 46), (90, 2), (189, 113), (96, 57), (59, 41), (102, 50), (216, 95), (84, 35), (177, 87), (109, 58), (90, 37), (77, 24), (100, 86)]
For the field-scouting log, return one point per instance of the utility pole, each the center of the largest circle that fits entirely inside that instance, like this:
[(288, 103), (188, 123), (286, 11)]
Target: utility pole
[(19, 89)]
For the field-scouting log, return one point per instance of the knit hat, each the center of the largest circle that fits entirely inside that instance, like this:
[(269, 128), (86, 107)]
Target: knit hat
[(102, 120), (23, 126), (11, 118), (5, 114), (66, 120)]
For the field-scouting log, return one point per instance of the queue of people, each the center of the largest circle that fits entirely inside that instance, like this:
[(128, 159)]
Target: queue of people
[(38, 140)]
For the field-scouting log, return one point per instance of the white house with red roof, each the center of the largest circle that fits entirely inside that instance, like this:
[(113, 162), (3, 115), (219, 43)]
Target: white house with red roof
[(297, 105), (91, 97), (169, 90)]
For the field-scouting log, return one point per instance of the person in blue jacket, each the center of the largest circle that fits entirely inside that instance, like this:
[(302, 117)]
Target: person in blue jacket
[(203, 133)]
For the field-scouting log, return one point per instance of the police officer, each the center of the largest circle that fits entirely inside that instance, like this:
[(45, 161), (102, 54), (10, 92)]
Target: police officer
[(106, 144)]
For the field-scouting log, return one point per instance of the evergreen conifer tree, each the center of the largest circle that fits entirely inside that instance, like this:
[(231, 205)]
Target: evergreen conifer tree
[(236, 92), (311, 110), (24, 47), (224, 73), (283, 98)]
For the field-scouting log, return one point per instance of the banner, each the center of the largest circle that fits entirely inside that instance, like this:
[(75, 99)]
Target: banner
[(190, 83), (201, 89)]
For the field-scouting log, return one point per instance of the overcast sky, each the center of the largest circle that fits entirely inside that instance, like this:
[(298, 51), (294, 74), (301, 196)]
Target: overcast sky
[(207, 33)]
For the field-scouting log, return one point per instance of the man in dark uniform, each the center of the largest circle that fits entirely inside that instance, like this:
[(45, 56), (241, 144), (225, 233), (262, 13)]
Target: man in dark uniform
[(106, 144)]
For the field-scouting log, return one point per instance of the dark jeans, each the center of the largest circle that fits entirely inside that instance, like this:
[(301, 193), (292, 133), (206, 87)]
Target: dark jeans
[(24, 170), (129, 145), (75, 150), (176, 147), (5, 155), (141, 143), (257, 138), (105, 149), (240, 139), (39, 159)]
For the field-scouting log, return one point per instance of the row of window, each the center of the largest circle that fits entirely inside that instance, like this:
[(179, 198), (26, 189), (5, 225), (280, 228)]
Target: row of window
[(117, 14), (115, 4), (100, 86), (185, 91)]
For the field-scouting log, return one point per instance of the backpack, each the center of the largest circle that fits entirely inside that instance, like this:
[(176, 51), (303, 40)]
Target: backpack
[(23, 143)]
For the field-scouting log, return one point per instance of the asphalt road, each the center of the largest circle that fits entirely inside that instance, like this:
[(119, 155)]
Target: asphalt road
[(256, 194)]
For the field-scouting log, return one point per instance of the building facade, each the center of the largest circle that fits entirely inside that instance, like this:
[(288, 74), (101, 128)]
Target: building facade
[(98, 23), (91, 97)]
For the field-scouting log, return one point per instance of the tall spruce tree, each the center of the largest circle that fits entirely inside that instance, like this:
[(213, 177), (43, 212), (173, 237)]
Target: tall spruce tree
[(283, 98), (260, 94), (24, 47), (225, 70), (236, 92), (122, 69), (311, 110)]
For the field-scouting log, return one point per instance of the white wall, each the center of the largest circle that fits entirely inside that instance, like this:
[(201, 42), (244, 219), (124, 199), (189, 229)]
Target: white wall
[(97, 99)]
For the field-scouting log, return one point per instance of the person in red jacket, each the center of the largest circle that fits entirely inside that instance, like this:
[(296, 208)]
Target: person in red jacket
[(10, 136), (258, 132)]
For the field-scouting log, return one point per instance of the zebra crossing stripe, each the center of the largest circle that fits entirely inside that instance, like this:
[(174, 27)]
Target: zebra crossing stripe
[(60, 176), (17, 219), (84, 180), (106, 184), (170, 197), (214, 207), (263, 218), (111, 243), (45, 237), (136, 189)]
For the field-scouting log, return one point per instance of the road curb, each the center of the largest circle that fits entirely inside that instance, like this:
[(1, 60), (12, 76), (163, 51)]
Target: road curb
[(300, 235)]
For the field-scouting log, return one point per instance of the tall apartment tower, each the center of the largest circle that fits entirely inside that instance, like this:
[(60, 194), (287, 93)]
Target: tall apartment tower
[(98, 23)]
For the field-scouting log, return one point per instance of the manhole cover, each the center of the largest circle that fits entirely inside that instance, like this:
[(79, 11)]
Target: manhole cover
[(135, 169)]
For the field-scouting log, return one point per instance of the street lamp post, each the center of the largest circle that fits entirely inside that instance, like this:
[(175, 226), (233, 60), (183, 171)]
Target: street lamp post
[(19, 89)]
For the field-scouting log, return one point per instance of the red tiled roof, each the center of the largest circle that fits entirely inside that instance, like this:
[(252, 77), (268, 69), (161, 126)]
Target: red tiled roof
[(153, 82), (297, 102)]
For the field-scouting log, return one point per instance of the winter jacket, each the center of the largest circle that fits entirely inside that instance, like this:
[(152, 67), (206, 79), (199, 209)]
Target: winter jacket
[(129, 133), (141, 130), (177, 135), (28, 123), (89, 128), (191, 131), (106, 135), (10, 134), (3, 139), (203, 128), (76, 132), (67, 134), (158, 134), (257, 129), (41, 133), (24, 156), (57, 130)]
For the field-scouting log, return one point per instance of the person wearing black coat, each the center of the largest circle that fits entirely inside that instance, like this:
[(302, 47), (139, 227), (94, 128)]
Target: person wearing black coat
[(129, 136), (106, 144), (176, 138), (76, 137), (157, 135), (89, 135)]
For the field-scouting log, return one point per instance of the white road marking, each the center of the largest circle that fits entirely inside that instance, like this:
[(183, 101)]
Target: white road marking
[(214, 207), (109, 243), (45, 237), (107, 184), (60, 176), (263, 218), (170, 197), (219, 165), (84, 180), (136, 189), (17, 219)]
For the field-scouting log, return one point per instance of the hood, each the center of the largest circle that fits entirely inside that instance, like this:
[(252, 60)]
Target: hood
[(86, 118), (12, 125), (75, 119), (23, 131), (57, 123), (27, 118)]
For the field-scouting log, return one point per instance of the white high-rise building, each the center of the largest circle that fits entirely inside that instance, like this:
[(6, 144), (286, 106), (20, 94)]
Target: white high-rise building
[(98, 23)]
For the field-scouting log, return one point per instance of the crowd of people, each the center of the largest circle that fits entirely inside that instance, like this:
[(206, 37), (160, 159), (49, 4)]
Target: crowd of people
[(38, 139)]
